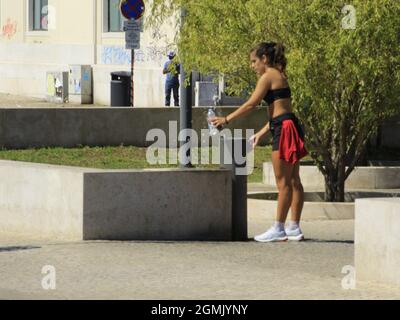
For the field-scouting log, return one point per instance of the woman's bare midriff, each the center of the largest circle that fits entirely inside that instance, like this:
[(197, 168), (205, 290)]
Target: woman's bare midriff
[(279, 107)]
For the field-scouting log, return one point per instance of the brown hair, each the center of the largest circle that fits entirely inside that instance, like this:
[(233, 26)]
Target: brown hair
[(275, 52)]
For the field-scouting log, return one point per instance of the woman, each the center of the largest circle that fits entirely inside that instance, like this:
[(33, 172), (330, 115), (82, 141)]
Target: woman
[(269, 62)]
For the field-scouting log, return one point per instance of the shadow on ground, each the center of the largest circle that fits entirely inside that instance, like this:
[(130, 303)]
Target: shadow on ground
[(329, 241), (19, 248), (317, 241)]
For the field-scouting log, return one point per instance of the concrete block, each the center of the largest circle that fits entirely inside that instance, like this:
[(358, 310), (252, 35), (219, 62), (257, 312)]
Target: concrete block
[(40, 201), (388, 178), (158, 205), (231, 101), (311, 211), (377, 240), (360, 178), (205, 92), (68, 127), (310, 176)]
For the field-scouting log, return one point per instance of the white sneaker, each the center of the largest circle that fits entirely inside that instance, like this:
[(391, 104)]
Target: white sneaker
[(295, 235), (271, 235)]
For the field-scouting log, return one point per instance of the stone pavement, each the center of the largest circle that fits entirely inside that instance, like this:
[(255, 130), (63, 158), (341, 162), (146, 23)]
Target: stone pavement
[(190, 270), (186, 270), (15, 101)]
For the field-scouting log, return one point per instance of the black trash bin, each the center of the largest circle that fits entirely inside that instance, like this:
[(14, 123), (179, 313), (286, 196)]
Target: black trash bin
[(121, 89)]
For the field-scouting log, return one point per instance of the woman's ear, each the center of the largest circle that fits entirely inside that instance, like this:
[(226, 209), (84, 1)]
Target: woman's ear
[(265, 59)]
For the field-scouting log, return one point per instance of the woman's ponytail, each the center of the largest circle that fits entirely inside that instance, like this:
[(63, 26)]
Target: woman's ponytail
[(275, 52)]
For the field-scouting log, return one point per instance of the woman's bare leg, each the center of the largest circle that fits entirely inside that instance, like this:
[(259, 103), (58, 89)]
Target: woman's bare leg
[(283, 176), (298, 195)]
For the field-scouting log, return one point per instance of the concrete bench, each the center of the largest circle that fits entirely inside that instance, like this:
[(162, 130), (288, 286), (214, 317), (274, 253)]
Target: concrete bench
[(39, 201), (88, 126), (360, 178), (377, 240)]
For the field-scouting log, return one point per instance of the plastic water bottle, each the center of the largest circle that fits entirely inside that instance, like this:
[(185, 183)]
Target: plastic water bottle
[(211, 127)]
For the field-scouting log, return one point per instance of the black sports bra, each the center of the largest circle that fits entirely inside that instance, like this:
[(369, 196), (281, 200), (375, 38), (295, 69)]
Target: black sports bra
[(276, 94)]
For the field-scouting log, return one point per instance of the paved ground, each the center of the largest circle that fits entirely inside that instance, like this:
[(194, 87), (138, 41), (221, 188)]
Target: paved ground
[(186, 270), (189, 270), (14, 101)]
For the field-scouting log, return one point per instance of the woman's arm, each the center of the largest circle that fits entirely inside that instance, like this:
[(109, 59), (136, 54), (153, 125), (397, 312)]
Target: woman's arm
[(264, 130), (255, 138), (263, 85)]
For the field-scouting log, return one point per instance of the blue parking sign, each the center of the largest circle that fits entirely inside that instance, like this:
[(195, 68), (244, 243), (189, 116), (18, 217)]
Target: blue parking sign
[(132, 9)]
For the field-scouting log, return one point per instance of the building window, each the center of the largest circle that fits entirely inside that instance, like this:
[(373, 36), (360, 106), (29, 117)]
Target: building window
[(113, 19), (38, 13)]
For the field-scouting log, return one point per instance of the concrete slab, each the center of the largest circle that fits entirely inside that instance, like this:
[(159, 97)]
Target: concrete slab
[(106, 126), (158, 205), (377, 240), (360, 178), (311, 210), (66, 203)]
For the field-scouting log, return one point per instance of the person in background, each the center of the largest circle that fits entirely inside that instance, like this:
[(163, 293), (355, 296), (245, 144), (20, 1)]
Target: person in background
[(172, 70)]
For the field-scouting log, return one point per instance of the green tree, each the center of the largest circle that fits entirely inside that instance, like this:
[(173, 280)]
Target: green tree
[(343, 64)]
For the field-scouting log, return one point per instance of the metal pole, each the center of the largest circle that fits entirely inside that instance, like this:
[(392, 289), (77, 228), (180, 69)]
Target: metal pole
[(132, 75), (239, 184), (185, 103)]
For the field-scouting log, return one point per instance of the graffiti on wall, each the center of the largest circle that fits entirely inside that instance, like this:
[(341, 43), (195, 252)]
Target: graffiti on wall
[(151, 54), (115, 55), (9, 29), (120, 56)]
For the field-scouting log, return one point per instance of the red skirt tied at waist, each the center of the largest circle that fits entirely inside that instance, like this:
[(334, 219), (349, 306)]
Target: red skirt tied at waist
[(291, 145)]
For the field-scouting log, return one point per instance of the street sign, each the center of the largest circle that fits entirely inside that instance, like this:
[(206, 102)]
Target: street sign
[(132, 34), (132, 39), (133, 25), (132, 9)]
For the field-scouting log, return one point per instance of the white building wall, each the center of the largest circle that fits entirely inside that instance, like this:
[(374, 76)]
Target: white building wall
[(76, 37)]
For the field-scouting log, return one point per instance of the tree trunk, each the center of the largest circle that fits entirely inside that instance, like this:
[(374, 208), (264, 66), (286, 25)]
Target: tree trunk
[(334, 180), (334, 191), (330, 186), (329, 192), (335, 183)]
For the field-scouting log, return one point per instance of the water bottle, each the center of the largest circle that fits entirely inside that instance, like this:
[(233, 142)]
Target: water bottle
[(211, 127)]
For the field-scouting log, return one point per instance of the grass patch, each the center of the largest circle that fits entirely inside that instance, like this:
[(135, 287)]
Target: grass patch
[(122, 157)]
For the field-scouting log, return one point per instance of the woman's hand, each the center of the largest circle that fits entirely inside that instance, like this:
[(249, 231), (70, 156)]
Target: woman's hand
[(255, 139), (218, 121)]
